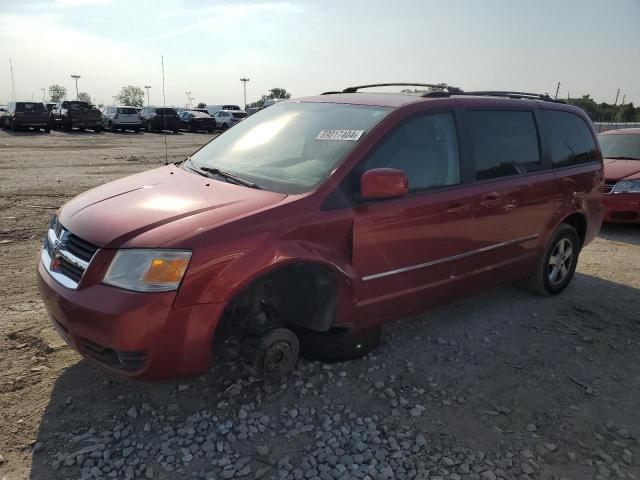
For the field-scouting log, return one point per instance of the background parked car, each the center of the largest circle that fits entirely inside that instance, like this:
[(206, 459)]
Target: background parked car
[(211, 109), (121, 118), (228, 118), (156, 119), (3, 109), (195, 121), (26, 115), (621, 152), (73, 113)]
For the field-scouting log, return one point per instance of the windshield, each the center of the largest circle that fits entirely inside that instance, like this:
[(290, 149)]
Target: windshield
[(620, 146), (166, 111), (290, 147), (30, 107), (77, 105)]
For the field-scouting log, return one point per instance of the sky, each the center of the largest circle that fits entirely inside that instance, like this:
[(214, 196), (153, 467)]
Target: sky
[(308, 47)]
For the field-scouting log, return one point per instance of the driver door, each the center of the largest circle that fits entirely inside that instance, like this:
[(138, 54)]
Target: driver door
[(409, 251)]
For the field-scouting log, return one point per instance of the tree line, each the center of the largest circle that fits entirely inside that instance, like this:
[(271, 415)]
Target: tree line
[(606, 112)]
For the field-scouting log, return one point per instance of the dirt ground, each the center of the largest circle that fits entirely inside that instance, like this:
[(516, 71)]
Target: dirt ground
[(500, 385)]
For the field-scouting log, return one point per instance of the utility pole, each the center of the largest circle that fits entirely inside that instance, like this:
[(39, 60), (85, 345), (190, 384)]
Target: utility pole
[(147, 87), (13, 84), (557, 89), (244, 85), (76, 77), (617, 95), (43, 90), (115, 97), (623, 99), (188, 99)]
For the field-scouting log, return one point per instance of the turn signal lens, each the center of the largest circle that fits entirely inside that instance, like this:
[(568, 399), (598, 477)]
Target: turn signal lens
[(166, 271)]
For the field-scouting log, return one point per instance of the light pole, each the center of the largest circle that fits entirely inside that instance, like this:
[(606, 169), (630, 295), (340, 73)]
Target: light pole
[(76, 77), (188, 99), (43, 90), (114, 99), (244, 86), (147, 87)]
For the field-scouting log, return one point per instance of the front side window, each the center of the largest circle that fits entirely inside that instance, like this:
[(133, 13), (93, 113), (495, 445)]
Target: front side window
[(425, 149), (504, 143), (570, 139), (291, 147), (620, 146)]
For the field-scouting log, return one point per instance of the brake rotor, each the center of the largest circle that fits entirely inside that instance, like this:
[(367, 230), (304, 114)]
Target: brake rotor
[(280, 349)]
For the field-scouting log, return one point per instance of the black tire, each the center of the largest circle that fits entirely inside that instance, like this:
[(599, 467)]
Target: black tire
[(110, 127), (14, 127), (176, 130), (97, 129), (47, 129), (149, 129), (210, 130), (556, 267), (66, 126), (224, 127), (193, 128), (338, 345), (136, 129)]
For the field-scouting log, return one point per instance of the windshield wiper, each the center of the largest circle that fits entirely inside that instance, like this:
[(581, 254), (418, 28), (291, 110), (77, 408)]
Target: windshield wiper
[(621, 158), (230, 176)]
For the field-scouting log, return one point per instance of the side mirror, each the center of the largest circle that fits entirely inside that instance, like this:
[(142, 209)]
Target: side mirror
[(383, 183)]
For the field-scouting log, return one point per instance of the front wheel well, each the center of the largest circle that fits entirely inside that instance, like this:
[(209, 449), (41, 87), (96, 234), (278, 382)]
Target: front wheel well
[(300, 294)]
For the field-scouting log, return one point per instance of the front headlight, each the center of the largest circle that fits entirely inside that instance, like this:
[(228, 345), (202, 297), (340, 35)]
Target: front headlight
[(627, 186), (147, 270)]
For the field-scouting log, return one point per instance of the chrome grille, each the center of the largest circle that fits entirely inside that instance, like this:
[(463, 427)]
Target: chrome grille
[(66, 256), (608, 186)]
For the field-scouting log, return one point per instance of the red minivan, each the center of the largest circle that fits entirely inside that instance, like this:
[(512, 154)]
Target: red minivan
[(312, 222)]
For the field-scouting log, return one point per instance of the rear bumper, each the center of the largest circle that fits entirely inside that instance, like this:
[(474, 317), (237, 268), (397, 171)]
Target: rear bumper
[(622, 207), (135, 335), (86, 123)]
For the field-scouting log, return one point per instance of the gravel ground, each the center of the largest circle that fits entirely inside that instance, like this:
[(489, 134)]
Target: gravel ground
[(500, 385)]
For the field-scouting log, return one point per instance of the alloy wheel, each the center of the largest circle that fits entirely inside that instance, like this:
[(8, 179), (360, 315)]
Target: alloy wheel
[(560, 261)]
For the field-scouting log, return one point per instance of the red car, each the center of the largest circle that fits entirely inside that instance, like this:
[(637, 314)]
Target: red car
[(621, 152), (314, 221)]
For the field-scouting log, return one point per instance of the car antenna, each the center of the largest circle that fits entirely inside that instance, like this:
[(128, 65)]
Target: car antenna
[(164, 105)]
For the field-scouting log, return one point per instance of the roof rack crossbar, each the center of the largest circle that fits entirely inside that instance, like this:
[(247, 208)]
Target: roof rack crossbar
[(441, 86)]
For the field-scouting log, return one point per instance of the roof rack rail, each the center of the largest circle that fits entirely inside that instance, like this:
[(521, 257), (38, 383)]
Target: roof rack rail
[(442, 87), (521, 95)]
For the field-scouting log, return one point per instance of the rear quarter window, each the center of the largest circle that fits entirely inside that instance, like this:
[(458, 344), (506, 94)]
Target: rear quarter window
[(504, 143), (570, 139)]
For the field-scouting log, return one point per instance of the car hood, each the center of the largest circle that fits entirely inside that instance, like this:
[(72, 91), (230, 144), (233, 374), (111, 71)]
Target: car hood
[(619, 169), (152, 208)]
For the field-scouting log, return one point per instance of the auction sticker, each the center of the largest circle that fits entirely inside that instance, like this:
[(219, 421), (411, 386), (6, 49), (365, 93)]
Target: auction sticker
[(351, 135)]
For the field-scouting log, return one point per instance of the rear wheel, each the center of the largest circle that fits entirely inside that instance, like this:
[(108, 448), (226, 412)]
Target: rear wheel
[(136, 129), (558, 263), (225, 126), (149, 129), (176, 130), (14, 127), (97, 129)]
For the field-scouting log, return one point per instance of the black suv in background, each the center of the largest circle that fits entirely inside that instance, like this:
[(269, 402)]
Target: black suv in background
[(74, 113), (26, 115), (156, 119)]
